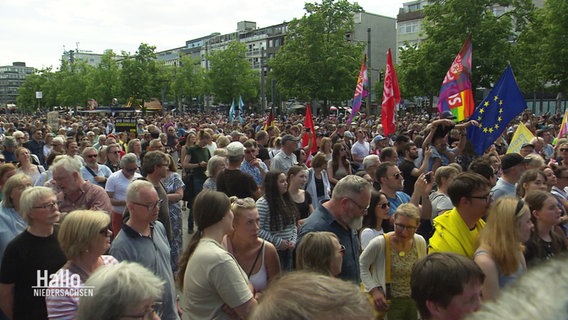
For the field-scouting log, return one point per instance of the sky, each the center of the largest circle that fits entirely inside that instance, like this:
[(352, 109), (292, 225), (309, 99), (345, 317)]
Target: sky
[(38, 31)]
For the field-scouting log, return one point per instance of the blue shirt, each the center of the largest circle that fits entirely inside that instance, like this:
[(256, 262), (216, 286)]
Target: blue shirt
[(322, 220), (11, 225), (399, 199), (254, 172)]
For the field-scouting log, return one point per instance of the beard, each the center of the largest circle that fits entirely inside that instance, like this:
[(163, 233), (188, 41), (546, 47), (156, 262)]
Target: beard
[(356, 223)]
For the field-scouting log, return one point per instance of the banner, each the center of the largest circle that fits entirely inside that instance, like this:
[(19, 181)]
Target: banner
[(360, 90), (391, 97), (521, 136)]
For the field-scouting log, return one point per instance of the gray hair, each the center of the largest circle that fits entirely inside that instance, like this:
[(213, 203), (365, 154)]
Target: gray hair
[(368, 160), (69, 164), (10, 141), (128, 158), (118, 289), (212, 164), (134, 189), (29, 198), (58, 140), (349, 186), (87, 149)]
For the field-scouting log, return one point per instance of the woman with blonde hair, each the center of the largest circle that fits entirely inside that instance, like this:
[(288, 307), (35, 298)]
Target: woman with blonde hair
[(26, 166), (257, 257), (500, 252), (84, 237), (12, 222), (386, 264), (320, 252)]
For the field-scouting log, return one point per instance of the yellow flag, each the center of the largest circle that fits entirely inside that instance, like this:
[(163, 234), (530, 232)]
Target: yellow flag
[(521, 136)]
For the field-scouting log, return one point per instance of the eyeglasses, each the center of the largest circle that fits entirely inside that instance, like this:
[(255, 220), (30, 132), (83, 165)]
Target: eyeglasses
[(152, 206), (155, 309), (363, 209), (51, 205), (105, 231), (520, 205), (403, 227), (91, 156), (563, 149), (342, 249), (384, 205), (485, 197), (2, 160)]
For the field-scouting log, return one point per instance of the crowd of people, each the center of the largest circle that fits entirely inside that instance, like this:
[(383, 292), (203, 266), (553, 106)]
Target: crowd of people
[(353, 224)]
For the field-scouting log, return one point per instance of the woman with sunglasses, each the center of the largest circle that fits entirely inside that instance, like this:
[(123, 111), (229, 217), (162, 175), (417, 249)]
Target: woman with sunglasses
[(84, 237), (386, 264), (376, 219), (500, 252), (257, 257)]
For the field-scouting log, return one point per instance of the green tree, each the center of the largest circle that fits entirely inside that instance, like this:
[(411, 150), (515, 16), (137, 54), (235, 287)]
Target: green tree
[(317, 62), (555, 48), (447, 24), (72, 86), (138, 75), (188, 80), (231, 74), (104, 81)]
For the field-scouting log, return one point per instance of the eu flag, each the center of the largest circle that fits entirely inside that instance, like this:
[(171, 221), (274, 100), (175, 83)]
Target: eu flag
[(494, 113)]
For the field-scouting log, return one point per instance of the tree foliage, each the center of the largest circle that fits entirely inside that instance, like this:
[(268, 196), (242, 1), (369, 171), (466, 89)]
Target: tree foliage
[(447, 24), (317, 62), (188, 80), (104, 84), (231, 74)]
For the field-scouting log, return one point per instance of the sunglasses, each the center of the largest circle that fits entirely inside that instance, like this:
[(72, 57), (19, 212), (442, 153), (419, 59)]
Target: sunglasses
[(563, 149)]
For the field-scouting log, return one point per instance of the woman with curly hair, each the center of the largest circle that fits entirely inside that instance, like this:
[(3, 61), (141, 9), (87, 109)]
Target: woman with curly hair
[(339, 166), (278, 215)]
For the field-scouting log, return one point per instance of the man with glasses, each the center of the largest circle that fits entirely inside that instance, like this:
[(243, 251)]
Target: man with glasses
[(33, 252), (343, 215), (253, 165), (93, 171), (143, 239), (513, 166), (391, 181), (113, 157), (116, 187), (457, 230), (76, 193), (154, 169)]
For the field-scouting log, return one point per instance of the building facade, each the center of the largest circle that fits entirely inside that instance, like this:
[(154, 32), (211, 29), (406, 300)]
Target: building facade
[(11, 78)]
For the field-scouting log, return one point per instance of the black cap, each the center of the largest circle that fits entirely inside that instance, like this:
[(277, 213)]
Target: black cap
[(512, 159)]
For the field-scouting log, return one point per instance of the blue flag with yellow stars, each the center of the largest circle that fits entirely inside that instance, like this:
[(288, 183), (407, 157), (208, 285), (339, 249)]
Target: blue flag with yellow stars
[(495, 112)]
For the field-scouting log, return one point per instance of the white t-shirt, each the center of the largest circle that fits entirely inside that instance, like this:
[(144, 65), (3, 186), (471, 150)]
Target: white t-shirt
[(117, 183)]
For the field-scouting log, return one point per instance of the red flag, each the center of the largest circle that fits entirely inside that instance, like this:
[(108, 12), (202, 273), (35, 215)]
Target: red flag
[(309, 123), (269, 121), (391, 97)]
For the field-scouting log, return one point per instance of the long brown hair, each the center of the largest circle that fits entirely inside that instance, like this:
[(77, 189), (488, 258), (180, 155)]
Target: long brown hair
[(209, 208)]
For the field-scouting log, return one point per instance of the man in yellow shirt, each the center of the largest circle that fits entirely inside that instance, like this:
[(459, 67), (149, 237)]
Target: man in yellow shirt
[(457, 230)]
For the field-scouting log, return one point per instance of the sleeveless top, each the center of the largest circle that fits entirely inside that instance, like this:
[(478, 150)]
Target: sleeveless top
[(504, 279), (259, 280)]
